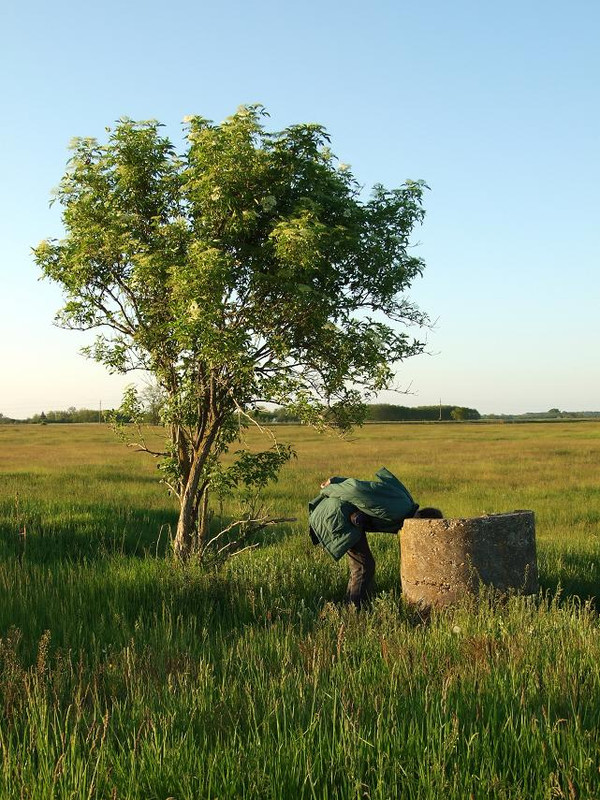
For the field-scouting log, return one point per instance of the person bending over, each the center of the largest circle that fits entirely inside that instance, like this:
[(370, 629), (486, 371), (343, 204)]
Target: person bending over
[(346, 509)]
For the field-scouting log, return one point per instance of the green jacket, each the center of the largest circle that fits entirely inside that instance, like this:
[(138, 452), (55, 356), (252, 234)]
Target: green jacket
[(386, 501)]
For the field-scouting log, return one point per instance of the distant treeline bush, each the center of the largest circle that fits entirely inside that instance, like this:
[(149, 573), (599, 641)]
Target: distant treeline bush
[(392, 413), (383, 412), (379, 412), (553, 414), (90, 415), (71, 414)]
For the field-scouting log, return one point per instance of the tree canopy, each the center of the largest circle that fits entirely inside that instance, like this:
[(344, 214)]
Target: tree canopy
[(247, 269)]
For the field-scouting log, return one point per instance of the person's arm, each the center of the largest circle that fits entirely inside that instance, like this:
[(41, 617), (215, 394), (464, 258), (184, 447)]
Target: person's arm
[(333, 479)]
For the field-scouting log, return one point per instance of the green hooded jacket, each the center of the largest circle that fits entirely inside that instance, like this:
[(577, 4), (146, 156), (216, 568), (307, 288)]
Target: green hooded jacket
[(386, 501)]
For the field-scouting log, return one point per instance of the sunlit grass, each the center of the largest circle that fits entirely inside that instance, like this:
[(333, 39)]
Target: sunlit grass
[(122, 676)]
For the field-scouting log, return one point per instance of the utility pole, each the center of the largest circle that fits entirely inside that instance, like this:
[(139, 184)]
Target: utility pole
[(100, 412)]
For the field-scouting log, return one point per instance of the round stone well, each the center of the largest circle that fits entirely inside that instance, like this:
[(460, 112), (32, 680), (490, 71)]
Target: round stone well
[(443, 560)]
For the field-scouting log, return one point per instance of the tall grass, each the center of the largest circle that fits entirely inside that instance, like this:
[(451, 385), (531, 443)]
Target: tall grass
[(122, 676)]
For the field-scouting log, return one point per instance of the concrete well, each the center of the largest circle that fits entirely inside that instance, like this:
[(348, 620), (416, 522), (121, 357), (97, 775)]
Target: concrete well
[(444, 559)]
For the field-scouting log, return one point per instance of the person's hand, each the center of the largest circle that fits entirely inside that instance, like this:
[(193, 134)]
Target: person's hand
[(359, 519), (326, 483)]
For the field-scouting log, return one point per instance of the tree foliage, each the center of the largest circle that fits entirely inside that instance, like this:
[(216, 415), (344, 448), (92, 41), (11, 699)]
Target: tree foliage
[(382, 412), (247, 269), (68, 415)]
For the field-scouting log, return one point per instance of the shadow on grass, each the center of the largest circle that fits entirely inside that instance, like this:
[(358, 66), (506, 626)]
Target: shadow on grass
[(571, 574), (103, 575), (97, 606), (96, 531), (87, 533)]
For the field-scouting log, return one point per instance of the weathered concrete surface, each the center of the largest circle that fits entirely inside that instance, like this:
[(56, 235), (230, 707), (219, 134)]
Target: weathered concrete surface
[(444, 559)]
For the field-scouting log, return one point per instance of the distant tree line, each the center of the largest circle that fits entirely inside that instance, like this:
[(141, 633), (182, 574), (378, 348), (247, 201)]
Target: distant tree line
[(391, 413), (383, 412), (71, 414), (379, 412), (74, 415), (275, 415), (552, 414)]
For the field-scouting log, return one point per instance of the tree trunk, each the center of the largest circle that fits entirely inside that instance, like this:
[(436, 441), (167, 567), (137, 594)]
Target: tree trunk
[(187, 524)]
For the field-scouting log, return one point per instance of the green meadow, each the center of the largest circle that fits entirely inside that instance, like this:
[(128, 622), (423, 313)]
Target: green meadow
[(123, 675)]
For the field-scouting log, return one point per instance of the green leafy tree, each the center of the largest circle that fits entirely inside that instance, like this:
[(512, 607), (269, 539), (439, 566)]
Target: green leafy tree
[(153, 398), (246, 270), (459, 413)]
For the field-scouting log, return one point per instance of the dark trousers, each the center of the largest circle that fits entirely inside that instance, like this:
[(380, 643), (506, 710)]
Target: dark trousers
[(362, 570)]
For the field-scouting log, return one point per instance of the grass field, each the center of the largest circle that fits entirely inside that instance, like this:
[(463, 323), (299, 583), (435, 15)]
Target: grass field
[(123, 676)]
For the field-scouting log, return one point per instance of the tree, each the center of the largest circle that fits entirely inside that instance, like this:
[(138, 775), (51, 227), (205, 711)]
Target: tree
[(246, 270), (153, 399), (459, 413)]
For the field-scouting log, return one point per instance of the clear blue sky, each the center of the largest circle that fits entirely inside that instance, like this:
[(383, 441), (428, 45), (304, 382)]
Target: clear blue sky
[(495, 105)]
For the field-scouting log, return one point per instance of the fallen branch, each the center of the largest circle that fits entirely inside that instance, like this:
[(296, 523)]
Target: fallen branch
[(254, 526)]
